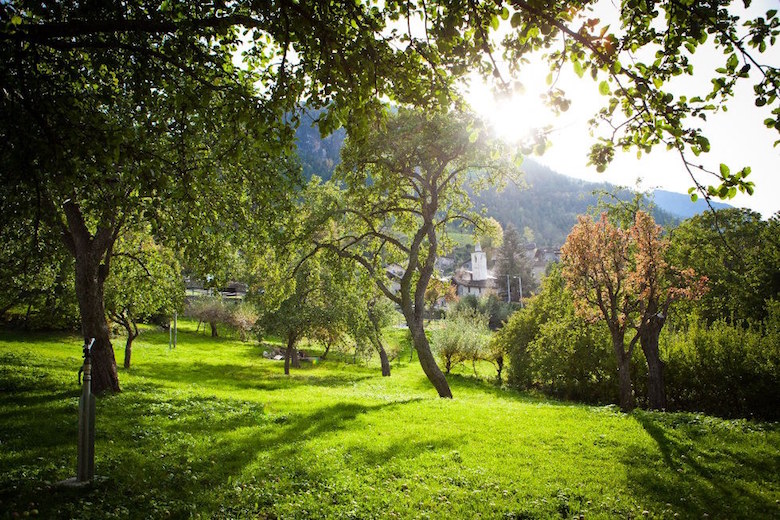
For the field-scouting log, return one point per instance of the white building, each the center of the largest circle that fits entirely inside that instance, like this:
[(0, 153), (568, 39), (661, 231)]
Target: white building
[(477, 281)]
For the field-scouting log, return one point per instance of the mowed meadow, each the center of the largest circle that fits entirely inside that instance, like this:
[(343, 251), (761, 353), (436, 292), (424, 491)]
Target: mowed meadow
[(211, 429)]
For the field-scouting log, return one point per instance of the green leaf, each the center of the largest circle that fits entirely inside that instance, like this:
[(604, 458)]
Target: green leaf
[(694, 197), (549, 80), (516, 20), (604, 88), (732, 62), (578, 68), (617, 67), (16, 20), (724, 170), (494, 22), (658, 82)]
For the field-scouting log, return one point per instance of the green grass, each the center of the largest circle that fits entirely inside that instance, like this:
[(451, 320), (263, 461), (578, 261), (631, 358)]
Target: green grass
[(211, 429)]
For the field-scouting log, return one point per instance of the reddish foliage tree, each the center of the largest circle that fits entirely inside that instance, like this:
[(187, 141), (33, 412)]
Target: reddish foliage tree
[(596, 263), (622, 276), (656, 285)]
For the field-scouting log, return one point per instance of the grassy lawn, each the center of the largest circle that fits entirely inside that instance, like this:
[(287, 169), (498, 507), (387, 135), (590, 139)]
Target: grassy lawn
[(211, 429)]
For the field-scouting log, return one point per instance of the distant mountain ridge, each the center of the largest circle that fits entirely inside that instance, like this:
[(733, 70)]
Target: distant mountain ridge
[(548, 207), (681, 206)]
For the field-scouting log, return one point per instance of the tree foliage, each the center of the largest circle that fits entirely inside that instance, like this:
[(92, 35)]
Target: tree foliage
[(403, 183), (621, 276), (464, 336), (513, 265), (739, 254), (137, 112), (146, 281), (209, 309), (550, 347)]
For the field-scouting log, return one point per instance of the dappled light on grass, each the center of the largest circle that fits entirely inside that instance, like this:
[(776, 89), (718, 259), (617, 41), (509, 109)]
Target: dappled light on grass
[(212, 428)]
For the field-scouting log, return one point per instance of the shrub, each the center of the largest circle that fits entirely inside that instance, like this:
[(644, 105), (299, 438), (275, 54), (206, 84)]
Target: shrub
[(463, 337), (551, 349), (211, 310), (723, 369), (497, 310), (243, 317), (572, 359)]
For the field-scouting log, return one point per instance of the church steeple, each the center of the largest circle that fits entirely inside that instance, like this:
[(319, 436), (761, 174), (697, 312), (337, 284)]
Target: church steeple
[(478, 264)]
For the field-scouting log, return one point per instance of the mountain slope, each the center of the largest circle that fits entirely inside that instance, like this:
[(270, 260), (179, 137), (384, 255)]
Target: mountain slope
[(681, 206), (548, 205)]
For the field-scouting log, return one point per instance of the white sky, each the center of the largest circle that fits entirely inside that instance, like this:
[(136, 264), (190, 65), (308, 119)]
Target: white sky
[(738, 138)]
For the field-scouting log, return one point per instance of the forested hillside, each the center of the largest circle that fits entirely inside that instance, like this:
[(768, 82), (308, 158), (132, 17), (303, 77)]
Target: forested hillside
[(548, 205)]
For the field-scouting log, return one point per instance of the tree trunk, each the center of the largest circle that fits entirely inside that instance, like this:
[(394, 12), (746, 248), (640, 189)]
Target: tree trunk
[(325, 353), (132, 333), (624, 375), (213, 326), (92, 254), (499, 367), (427, 361), (384, 360), (291, 354), (656, 393), (89, 291)]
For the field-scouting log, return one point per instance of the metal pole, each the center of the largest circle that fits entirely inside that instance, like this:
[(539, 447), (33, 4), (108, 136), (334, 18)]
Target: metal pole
[(520, 281), (86, 448)]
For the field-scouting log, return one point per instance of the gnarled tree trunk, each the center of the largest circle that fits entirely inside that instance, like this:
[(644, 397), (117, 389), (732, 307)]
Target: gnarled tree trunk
[(131, 328), (131, 335), (656, 392), (427, 361), (385, 362), (92, 255), (325, 352), (291, 354)]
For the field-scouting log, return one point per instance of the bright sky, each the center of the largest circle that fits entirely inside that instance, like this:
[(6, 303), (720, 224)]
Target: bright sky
[(738, 138)]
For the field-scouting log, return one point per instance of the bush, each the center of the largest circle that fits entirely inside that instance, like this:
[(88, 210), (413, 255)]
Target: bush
[(553, 350), (497, 310), (574, 360), (463, 337), (211, 310), (723, 369), (731, 370), (243, 317)]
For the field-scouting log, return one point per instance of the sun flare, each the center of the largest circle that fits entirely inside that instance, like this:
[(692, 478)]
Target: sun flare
[(514, 118), (517, 118)]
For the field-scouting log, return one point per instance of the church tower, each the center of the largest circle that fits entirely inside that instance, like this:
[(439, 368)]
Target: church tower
[(478, 264)]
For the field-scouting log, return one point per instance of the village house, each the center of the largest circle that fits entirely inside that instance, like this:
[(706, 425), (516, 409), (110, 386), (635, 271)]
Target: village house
[(477, 280)]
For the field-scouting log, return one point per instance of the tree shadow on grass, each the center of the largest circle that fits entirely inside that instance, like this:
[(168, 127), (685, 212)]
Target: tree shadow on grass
[(162, 451), (702, 473), (261, 377), (468, 383)]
